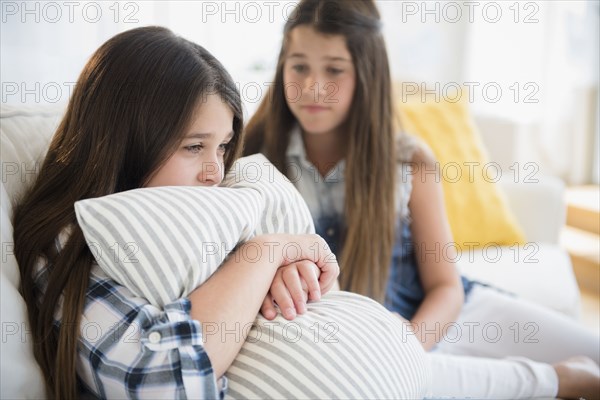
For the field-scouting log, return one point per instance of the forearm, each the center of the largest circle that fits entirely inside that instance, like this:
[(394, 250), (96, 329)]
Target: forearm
[(441, 306), (230, 300)]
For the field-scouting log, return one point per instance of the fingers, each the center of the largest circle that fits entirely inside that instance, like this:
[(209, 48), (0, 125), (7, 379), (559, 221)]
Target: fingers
[(329, 276), (291, 286), (309, 274), (282, 295), (294, 297), (328, 266), (268, 308), (314, 248)]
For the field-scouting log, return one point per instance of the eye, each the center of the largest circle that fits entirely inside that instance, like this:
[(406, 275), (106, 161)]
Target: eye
[(299, 68), (194, 148), (224, 147), (334, 71)]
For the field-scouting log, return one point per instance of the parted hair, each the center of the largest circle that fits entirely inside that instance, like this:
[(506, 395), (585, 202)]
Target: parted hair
[(128, 113), (370, 159)]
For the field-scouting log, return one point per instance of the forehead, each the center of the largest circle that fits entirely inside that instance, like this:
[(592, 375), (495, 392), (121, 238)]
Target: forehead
[(212, 116), (305, 41)]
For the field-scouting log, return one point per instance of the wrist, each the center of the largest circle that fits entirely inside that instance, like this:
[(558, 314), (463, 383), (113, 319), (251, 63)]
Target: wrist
[(263, 248)]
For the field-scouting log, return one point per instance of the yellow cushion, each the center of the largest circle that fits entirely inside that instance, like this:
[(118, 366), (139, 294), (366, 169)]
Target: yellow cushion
[(477, 211)]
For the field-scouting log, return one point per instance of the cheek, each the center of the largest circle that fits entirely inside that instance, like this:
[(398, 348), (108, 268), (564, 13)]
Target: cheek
[(345, 93), (287, 79), (173, 173), (286, 75), (290, 88)]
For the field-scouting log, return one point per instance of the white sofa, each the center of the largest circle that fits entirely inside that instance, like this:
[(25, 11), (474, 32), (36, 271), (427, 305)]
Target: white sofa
[(541, 272)]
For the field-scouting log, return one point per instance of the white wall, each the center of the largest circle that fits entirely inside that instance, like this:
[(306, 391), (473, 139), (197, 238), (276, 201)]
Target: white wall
[(542, 55), (42, 53)]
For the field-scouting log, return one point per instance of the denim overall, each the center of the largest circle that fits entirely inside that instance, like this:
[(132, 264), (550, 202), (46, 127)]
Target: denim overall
[(404, 292), (325, 197)]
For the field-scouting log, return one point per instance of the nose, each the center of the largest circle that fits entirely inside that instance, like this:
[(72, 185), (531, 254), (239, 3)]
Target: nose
[(314, 86), (211, 173)]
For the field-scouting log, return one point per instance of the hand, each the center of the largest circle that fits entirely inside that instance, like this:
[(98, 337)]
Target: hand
[(314, 248), (285, 249), (294, 279), (292, 286)]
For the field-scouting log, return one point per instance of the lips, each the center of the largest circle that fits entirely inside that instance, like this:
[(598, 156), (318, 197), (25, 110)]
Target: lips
[(313, 108)]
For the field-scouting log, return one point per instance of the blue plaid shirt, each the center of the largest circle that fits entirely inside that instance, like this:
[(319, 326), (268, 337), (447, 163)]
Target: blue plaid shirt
[(131, 349)]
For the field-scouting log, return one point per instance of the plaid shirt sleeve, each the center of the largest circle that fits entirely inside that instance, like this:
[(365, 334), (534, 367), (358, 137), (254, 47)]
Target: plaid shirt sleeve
[(131, 349)]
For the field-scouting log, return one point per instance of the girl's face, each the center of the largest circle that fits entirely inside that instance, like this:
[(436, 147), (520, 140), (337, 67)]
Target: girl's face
[(198, 160), (319, 80)]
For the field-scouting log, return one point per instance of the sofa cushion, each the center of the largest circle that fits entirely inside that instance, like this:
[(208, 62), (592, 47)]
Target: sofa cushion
[(477, 210), (24, 134), (538, 272)]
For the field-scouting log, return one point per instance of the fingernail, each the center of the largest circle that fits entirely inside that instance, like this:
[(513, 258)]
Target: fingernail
[(289, 313), (270, 314), (316, 295), (301, 308)]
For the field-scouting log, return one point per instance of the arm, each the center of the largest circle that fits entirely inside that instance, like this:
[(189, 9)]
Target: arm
[(444, 294), (232, 297), (129, 348)]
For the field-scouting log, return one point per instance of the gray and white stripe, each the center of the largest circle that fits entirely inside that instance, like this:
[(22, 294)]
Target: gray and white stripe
[(346, 346), (163, 242)]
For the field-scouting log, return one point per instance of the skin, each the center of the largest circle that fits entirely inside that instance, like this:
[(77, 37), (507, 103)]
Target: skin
[(321, 66), (198, 161), (444, 295), (232, 296)]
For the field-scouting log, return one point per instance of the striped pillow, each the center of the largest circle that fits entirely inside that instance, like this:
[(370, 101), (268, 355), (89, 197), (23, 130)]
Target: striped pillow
[(345, 346), (163, 242)]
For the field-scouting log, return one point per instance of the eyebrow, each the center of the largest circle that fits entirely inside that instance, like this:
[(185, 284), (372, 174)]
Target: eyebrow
[(328, 58), (207, 135)]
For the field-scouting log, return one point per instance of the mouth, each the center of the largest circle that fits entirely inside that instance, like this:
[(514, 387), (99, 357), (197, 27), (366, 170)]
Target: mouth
[(313, 108)]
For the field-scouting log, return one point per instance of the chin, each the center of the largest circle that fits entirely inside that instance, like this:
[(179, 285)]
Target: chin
[(316, 129), (316, 124), (317, 132)]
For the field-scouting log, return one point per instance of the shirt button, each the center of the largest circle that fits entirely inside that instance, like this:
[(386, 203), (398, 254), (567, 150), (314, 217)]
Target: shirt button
[(154, 337), (330, 232)]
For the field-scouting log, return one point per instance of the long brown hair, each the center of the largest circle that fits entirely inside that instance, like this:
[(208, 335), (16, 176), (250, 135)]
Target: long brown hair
[(370, 159), (128, 113)]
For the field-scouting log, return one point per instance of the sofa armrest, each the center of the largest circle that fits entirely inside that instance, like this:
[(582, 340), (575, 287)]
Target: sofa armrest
[(539, 207)]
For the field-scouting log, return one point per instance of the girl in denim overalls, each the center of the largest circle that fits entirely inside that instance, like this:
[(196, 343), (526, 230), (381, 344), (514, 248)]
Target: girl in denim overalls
[(327, 124)]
